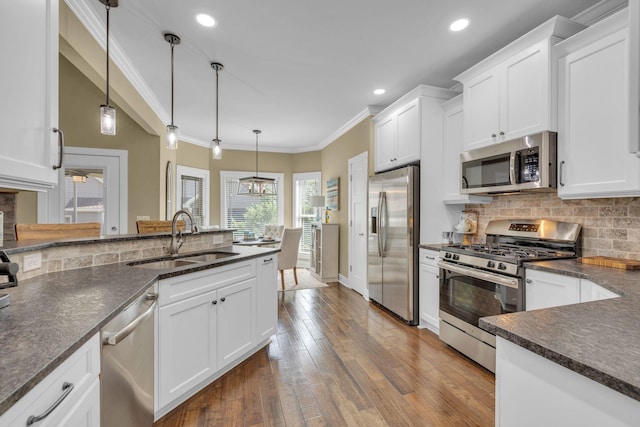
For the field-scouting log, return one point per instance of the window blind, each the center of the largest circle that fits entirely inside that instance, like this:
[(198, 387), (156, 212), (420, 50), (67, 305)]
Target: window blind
[(192, 197)]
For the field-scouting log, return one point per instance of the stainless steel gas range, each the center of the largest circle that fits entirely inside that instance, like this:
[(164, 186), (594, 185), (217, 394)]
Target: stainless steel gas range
[(488, 279)]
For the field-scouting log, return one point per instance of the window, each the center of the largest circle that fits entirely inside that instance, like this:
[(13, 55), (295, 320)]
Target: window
[(305, 185), (192, 192), (249, 213)]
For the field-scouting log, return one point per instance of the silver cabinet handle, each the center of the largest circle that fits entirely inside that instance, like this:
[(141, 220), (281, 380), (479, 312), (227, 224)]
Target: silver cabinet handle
[(66, 389), (561, 177), (113, 338), (60, 147)]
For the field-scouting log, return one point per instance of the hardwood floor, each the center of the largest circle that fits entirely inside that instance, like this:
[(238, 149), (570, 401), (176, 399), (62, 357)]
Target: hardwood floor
[(339, 361)]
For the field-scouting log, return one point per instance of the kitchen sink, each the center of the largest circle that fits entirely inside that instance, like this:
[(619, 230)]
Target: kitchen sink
[(182, 260), (166, 263)]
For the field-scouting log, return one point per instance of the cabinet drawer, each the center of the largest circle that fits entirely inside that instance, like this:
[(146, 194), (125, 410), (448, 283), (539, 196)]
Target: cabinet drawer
[(189, 285), (81, 369), (428, 257)]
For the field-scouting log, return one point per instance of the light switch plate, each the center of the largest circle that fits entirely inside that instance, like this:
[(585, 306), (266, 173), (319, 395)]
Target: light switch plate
[(31, 262)]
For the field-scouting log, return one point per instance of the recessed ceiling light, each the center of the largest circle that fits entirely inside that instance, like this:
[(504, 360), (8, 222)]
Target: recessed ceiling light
[(205, 20), (459, 25), (379, 91)]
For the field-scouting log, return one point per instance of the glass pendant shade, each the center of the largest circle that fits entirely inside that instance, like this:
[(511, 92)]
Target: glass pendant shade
[(172, 137), (107, 120), (216, 149)]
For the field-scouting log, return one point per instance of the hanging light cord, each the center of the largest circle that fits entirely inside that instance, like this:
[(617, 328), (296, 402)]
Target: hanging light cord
[(108, 7), (257, 132), (172, 45), (217, 96)]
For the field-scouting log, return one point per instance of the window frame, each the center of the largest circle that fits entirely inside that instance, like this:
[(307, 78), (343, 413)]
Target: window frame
[(304, 176), (196, 173)]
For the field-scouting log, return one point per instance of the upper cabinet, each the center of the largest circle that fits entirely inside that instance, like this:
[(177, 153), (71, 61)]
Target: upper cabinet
[(399, 128), (594, 117), (452, 116), (29, 87), (511, 93)]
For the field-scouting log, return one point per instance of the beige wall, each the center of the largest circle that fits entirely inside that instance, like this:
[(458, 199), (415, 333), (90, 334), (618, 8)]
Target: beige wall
[(335, 164), (79, 103), (610, 227)]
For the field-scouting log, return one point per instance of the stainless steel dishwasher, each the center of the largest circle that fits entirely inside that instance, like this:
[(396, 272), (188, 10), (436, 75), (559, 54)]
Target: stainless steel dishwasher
[(126, 383)]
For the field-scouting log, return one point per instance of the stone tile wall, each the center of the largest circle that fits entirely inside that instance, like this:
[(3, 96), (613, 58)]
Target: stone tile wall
[(610, 227), (86, 255)]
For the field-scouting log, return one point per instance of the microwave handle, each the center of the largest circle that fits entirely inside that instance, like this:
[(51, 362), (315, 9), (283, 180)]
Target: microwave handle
[(512, 168)]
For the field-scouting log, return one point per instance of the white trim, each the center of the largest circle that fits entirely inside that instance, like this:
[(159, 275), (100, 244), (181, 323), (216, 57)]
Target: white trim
[(198, 173), (364, 156), (599, 11), (279, 177), (370, 110)]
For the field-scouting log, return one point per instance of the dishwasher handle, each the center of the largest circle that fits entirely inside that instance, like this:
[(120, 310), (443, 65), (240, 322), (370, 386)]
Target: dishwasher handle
[(113, 338)]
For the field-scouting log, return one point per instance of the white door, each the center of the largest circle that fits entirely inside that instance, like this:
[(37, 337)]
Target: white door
[(92, 187), (358, 197)]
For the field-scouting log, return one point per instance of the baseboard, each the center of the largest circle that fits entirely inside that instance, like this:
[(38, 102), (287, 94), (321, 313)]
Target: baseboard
[(343, 280)]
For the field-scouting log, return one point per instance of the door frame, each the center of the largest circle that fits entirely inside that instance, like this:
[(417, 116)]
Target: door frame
[(49, 210), (362, 157)]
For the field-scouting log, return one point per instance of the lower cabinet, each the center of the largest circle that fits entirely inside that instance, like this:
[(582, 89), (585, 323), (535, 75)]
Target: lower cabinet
[(544, 289), (209, 321), (429, 292), (67, 397)]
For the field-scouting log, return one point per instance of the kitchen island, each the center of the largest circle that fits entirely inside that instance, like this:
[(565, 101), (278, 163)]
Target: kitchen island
[(553, 351), (52, 315)]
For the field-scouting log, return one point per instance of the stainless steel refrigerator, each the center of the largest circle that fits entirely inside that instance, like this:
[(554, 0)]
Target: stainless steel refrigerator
[(394, 230)]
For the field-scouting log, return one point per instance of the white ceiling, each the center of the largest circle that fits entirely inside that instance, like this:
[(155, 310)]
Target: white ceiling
[(301, 70)]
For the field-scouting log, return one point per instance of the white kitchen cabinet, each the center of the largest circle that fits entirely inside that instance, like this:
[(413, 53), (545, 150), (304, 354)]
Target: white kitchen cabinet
[(532, 391), (593, 113), (590, 291), (429, 292), (543, 289), (186, 345), (452, 113), (208, 322), (511, 93), (80, 407), (236, 321), (324, 251), (29, 87), (267, 297), (397, 136)]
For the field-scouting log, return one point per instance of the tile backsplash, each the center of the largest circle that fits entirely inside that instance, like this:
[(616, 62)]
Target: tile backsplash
[(610, 227)]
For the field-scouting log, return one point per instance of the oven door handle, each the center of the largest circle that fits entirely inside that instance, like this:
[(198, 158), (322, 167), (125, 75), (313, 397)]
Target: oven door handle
[(511, 282)]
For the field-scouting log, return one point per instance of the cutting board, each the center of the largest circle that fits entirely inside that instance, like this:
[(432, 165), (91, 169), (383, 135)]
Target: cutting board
[(604, 261)]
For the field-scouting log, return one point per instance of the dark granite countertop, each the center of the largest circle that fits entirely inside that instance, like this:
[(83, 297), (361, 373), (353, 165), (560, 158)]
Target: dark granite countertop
[(52, 315), (598, 339), (431, 246)]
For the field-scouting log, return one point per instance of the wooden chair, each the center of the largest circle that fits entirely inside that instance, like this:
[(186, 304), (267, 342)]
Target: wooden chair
[(147, 227), (288, 256), (45, 232)]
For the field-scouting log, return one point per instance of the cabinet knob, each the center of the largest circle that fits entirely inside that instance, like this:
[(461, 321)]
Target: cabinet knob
[(501, 133), (529, 281), (493, 135), (223, 299), (214, 302)]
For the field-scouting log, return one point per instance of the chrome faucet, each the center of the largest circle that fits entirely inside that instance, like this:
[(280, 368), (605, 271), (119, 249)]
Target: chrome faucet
[(176, 236)]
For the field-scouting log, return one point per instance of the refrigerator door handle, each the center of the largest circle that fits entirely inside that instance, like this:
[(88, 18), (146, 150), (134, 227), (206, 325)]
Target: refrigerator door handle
[(379, 234), (384, 220)]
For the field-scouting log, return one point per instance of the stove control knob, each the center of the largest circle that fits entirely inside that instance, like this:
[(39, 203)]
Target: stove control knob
[(447, 255), (501, 266), (456, 257), (491, 264)]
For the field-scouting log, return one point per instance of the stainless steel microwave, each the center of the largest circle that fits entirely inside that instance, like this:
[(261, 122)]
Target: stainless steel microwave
[(527, 163)]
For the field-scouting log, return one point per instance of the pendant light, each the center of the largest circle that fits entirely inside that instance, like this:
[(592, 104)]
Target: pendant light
[(256, 185), (107, 112), (172, 130), (215, 144)]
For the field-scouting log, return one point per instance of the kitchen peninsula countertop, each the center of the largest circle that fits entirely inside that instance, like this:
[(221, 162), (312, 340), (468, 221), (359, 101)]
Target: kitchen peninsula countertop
[(52, 315), (598, 339)]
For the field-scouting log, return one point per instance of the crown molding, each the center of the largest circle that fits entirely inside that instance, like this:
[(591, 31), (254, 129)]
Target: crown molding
[(96, 28), (369, 110), (599, 11)]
